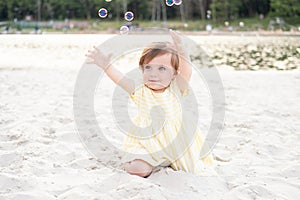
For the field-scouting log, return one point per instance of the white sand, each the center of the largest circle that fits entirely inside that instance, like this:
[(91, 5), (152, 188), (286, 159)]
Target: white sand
[(41, 156)]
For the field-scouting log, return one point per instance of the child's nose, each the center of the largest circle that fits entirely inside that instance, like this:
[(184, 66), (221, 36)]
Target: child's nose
[(153, 73)]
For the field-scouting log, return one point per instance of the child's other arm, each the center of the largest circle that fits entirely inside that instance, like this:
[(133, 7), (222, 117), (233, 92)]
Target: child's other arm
[(119, 78), (185, 68), (103, 61)]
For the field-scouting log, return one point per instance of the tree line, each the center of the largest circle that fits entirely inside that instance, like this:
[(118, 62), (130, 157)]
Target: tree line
[(155, 10)]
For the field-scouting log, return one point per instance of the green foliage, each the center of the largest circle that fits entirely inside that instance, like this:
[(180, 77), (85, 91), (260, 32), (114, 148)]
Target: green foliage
[(285, 8), (225, 9), (190, 9)]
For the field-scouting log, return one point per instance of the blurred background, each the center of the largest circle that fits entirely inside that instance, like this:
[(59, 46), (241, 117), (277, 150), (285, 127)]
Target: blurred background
[(86, 16), (254, 44)]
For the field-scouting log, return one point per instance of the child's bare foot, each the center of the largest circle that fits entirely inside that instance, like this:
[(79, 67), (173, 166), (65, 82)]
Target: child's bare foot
[(138, 167)]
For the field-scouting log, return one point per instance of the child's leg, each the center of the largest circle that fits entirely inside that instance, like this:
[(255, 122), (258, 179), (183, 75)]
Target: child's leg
[(138, 167)]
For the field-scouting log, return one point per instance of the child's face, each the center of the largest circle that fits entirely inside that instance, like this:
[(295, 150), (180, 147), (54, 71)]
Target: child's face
[(159, 73)]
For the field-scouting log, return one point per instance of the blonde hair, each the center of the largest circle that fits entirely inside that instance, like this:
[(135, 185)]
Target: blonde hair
[(157, 49)]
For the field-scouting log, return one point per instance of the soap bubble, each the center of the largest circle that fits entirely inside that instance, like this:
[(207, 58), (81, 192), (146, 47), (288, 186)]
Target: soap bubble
[(102, 12), (169, 2), (177, 2), (129, 16), (124, 30), (108, 0)]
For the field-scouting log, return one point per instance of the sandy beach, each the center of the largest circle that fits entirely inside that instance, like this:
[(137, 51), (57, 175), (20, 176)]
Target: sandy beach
[(42, 156)]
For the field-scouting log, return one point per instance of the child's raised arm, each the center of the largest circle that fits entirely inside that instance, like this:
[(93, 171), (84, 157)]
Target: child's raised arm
[(185, 68), (103, 61)]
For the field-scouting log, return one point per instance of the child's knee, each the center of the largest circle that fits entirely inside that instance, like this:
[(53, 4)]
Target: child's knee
[(138, 167)]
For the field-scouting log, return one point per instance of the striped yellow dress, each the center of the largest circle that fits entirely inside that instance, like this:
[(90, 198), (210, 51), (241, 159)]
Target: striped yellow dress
[(159, 133)]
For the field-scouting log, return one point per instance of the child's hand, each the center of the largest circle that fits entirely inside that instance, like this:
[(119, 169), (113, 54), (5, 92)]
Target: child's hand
[(178, 43), (185, 68), (98, 58)]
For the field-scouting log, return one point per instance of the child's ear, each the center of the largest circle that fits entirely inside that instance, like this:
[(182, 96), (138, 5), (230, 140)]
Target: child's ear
[(175, 75)]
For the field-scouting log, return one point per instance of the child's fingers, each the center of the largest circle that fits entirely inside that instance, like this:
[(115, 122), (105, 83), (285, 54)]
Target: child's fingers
[(89, 55), (92, 52), (174, 33), (90, 62), (175, 38), (97, 50)]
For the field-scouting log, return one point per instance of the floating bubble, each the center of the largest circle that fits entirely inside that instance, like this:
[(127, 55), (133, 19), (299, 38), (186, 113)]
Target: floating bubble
[(177, 2), (129, 16), (169, 2), (108, 0), (102, 12), (241, 24), (124, 30)]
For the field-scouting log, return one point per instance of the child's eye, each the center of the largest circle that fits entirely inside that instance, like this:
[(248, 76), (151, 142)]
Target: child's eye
[(162, 68), (147, 67)]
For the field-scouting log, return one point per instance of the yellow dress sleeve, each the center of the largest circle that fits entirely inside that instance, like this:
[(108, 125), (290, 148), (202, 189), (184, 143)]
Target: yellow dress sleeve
[(185, 92), (175, 87), (136, 94)]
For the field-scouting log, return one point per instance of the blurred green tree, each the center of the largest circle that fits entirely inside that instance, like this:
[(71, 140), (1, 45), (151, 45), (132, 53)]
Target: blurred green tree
[(154, 10), (285, 8), (225, 9)]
